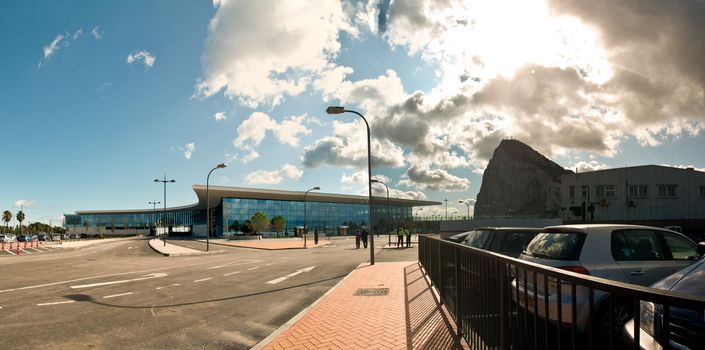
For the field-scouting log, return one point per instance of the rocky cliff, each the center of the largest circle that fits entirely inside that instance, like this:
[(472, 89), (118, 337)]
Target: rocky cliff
[(519, 182)]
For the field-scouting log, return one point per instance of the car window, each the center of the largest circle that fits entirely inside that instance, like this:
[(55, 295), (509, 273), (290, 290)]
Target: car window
[(515, 242), (635, 245), (556, 245), (681, 247), (478, 239)]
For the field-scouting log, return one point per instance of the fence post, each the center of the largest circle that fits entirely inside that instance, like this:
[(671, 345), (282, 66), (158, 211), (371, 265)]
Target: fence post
[(502, 275), (440, 273), (458, 318)]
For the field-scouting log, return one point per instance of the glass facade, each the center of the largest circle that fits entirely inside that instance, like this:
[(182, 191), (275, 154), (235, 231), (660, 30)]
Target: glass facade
[(326, 217)]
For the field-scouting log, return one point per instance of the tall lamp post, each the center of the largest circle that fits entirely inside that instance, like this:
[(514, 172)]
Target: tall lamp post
[(154, 213), (208, 205), (446, 200), (389, 237), (340, 110), (467, 203), (166, 226), (305, 194)]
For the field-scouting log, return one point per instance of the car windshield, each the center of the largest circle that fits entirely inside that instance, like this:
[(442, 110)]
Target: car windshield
[(556, 245), (478, 239)]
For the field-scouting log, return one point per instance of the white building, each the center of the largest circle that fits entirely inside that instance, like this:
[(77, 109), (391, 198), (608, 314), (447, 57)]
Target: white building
[(649, 194)]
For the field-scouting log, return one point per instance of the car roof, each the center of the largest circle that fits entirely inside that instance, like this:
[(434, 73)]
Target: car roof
[(528, 229), (585, 228)]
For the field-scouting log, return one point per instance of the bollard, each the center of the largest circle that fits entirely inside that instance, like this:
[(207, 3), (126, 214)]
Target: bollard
[(25, 244), (18, 248), (3, 245)]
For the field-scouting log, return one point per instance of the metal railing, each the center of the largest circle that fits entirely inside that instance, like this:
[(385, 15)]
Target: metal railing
[(499, 302)]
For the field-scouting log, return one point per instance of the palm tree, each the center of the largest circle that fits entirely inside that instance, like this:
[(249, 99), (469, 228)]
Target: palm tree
[(20, 218), (7, 216)]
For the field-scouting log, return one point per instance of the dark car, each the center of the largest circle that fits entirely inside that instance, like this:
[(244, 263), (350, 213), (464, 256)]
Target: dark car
[(25, 238), (84, 235), (509, 241), (687, 327)]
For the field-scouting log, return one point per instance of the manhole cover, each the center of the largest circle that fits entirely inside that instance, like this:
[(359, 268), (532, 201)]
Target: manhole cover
[(371, 292)]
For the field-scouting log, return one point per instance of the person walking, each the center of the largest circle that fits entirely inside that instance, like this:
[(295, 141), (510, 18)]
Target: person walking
[(365, 234), (357, 239), (407, 232), (400, 237)]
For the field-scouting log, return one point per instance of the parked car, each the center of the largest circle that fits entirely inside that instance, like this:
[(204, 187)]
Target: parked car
[(43, 237), (640, 255), (84, 235), (73, 236), (8, 238), (25, 238), (686, 326), (459, 237), (509, 241)]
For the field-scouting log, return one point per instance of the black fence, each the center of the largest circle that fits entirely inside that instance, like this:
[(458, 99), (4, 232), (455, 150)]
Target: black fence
[(499, 302)]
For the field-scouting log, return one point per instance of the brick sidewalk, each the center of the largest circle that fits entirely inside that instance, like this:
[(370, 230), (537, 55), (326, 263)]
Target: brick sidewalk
[(408, 317)]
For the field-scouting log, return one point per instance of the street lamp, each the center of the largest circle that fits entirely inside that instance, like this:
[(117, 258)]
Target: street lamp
[(468, 204), (389, 237), (305, 194), (154, 213), (446, 200), (165, 181), (340, 110), (208, 205)]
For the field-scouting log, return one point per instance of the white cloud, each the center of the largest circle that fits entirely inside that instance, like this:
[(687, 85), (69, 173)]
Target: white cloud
[(147, 58), (77, 34), (433, 179), (252, 155), (583, 166), (96, 34), (188, 150), (24, 202), (253, 130), (260, 51), (218, 116), (53, 46), (273, 177)]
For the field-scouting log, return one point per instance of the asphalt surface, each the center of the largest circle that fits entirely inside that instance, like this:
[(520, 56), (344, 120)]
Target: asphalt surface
[(120, 295)]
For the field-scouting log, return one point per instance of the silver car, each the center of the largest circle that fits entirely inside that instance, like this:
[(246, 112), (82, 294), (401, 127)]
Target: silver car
[(8, 237), (627, 253)]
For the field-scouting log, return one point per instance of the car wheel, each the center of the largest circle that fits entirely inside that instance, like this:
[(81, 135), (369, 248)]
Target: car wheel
[(622, 314)]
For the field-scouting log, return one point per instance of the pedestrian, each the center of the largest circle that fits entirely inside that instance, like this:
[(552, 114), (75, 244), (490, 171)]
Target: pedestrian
[(407, 232), (400, 237), (365, 234), (357, 239)]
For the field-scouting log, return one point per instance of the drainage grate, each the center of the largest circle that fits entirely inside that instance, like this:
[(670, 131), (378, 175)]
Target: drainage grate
[(371, 292)]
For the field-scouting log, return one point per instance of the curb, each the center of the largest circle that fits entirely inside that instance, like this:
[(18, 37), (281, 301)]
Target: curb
[(258, 248), (283, 328), (152, 245)]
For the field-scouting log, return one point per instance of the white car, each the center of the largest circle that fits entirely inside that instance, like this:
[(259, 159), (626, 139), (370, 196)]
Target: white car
[(8, 237), (640, 255)]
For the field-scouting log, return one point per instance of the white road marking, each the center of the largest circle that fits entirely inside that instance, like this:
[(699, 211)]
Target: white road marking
[(253, 268), (25, 251), (116, 295), (277, 280), (234, 263), (147, 277), (203, 279), (57, 303), (9, 251), (270, 264), (173, 285), (231, 273)]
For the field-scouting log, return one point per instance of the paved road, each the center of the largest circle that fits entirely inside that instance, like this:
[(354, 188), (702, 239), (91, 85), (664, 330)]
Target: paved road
[(122, 294)]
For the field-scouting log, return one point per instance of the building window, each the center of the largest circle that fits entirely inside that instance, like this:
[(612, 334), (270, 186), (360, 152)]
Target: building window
[(572, 192), (666, 190), (702, 191), (606, 191), (638, 191), (585, 191)]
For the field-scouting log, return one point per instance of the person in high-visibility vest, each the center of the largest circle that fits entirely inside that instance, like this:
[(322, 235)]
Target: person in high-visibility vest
[(407, 232), (400, 237)]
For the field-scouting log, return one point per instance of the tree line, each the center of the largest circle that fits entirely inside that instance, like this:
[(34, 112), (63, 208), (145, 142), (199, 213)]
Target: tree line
[(35, 227)]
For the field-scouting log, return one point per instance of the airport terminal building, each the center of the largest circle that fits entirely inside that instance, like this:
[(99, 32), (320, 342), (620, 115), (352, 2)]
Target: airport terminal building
[(330, 214)]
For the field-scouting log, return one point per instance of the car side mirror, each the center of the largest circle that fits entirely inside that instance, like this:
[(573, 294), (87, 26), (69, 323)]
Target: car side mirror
[(701, 248)]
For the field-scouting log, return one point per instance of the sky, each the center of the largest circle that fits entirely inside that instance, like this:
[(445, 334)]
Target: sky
[(97, 99)]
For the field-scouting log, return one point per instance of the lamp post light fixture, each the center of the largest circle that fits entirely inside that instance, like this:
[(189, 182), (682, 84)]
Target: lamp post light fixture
[(154, 215), (305, 194), (166, 226), (208, 205), (340, 110), (389, 237), (467, 203)]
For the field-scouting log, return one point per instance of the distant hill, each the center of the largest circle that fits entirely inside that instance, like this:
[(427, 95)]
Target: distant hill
[(519, 182)]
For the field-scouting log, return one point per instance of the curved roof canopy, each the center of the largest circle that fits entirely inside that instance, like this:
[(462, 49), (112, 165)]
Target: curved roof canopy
[(217, 193)]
